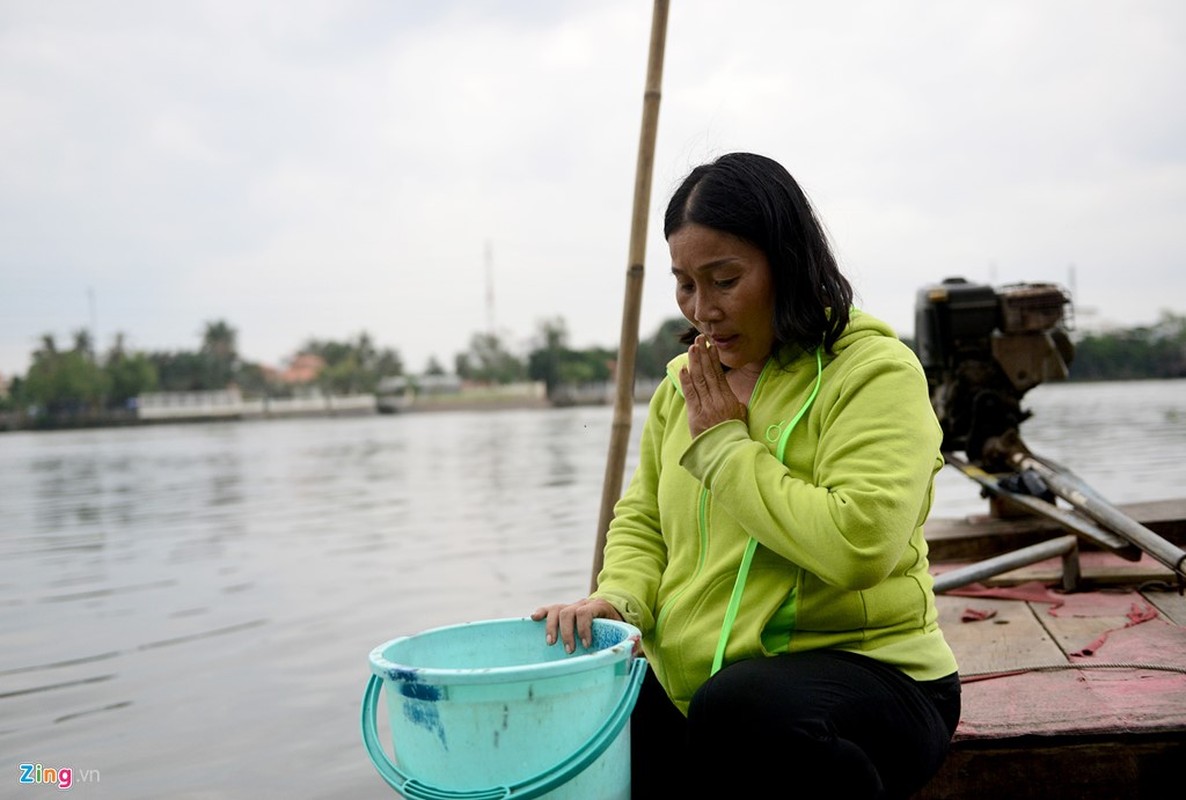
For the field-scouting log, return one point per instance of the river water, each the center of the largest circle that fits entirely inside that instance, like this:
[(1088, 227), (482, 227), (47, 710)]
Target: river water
[(186, 610)]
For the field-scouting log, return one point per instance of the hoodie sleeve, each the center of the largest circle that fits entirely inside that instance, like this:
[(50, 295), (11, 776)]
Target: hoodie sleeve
[(877, 452), (635, 552)]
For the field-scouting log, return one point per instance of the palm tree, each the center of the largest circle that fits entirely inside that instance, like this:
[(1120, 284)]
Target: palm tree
[(83, 344), (219, 340), (48, 349), (219, 354)]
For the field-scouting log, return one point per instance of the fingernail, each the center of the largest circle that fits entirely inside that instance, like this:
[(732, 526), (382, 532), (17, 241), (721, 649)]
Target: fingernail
[(551, 639)]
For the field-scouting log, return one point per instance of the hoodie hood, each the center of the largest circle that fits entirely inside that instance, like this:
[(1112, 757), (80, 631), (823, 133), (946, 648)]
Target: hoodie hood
[(861, 326)]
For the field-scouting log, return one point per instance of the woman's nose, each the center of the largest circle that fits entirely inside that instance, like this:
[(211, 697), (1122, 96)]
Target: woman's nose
[(707, 308)]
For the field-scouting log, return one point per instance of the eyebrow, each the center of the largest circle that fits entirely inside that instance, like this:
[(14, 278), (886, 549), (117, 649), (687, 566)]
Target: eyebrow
[(707, 267)]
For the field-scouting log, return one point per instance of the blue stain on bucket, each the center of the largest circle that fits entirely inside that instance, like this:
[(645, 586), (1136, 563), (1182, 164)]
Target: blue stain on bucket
[(487, 710), (420, 691), (403, 674), (419, 699), (425, 716)]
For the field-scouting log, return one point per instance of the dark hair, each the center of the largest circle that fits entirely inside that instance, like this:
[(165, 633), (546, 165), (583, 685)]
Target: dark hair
[(755, 199)]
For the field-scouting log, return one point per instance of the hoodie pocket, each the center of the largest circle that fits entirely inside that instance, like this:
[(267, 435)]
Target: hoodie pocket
[(689, 638)]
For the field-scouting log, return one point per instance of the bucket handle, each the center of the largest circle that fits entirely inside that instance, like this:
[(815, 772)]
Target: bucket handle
[(568, 768)]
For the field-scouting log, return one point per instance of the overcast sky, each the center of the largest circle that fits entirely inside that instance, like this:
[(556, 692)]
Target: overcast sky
[(319, 168)]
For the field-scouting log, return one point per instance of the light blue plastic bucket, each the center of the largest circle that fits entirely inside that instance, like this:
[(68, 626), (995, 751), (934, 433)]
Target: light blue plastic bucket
[(488, 710)]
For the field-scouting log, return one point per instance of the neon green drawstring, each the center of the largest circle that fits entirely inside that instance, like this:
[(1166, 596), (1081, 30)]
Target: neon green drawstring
[(752, 545)]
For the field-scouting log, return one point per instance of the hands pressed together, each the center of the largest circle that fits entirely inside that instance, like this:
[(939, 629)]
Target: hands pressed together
[(707, 394)]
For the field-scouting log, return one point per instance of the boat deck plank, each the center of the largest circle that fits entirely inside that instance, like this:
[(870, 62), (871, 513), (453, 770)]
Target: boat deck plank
[(1171, 604), (1011, 637), (1083, 618)]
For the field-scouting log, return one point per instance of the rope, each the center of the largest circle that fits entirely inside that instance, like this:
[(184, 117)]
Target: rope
[(970, 677)]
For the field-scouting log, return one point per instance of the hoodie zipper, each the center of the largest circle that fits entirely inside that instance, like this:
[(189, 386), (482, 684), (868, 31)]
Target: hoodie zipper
[(751, 545), (702, 521)]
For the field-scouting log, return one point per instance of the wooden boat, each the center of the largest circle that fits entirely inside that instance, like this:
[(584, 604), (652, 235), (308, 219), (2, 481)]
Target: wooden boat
[(1077, 694)]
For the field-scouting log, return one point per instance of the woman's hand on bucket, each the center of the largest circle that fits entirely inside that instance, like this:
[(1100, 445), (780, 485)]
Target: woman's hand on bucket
[(566, 619)]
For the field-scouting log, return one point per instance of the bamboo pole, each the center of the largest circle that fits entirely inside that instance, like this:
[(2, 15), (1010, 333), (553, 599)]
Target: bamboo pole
[(628, 347)]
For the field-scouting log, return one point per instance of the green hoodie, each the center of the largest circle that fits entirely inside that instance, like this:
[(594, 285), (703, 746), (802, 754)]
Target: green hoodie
[(841, 561)]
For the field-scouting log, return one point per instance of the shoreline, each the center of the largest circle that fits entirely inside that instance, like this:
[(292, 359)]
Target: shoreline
[(129, 420)]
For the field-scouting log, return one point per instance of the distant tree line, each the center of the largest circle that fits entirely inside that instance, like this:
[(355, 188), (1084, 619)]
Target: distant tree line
[(74, 384), (1154, 351), (554, 362), (353, 367), (77, 385)]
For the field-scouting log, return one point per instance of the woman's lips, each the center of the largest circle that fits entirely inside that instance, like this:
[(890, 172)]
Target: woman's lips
[(723, 342)]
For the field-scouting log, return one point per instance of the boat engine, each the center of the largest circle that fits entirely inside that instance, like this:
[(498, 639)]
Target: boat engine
[(983, 349)]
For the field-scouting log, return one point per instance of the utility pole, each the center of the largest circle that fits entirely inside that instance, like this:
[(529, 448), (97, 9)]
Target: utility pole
[(489, 288), (90, 297)]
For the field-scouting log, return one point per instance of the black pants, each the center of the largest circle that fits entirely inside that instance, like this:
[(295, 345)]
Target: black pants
[(779, 726)]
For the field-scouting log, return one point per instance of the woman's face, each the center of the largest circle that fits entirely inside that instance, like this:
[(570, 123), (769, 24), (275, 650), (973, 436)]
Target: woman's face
[(725, 289)]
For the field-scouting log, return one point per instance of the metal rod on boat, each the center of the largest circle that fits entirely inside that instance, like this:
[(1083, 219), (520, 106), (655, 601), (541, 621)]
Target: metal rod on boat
[(1074, 523), (628, 347), (996, 565), (1071, 488)]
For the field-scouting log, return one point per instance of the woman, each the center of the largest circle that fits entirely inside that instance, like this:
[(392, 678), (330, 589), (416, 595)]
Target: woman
[(770, 544)]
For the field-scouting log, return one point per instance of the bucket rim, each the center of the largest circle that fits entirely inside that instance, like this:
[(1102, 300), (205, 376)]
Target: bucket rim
[(385, 668)]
